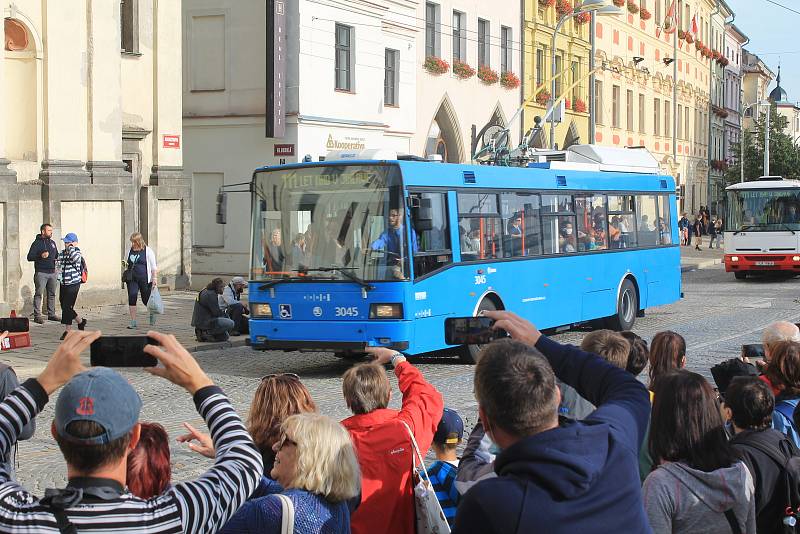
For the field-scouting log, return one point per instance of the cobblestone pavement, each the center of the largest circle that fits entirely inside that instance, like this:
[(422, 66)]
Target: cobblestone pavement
[(717, 315)]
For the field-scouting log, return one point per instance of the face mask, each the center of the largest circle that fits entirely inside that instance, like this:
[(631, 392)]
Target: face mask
[(569, 231), (495, 449)]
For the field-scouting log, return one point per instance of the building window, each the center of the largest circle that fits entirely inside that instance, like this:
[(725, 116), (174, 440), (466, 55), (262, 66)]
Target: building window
[(129, 22), (667, 117), (344, 56), (459, 36), (539, 67), (642, 112), (657, 14), (656, 116), (679, 133), (483, 43), (577, 89), (505, 49), (598, 102), (559, 79), (629, 114), (390, 80), (615, 106), (432, 30)]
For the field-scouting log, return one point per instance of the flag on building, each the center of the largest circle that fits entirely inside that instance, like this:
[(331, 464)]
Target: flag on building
[(694, 25), (669, 23)]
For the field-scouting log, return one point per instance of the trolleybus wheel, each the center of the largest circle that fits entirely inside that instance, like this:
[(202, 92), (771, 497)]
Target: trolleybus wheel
[(627, 307), (740, 275), (471, 353)]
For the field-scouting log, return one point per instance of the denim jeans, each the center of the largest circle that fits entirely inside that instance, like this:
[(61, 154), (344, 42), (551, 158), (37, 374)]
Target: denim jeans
[(49, 282), (220, 325)]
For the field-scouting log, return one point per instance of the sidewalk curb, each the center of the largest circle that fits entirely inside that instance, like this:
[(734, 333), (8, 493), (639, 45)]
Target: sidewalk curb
[(217, 346), (700, 265)]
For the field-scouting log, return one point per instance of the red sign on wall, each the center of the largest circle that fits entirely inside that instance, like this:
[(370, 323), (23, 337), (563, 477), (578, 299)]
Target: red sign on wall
[(172, 141), (284, 150)]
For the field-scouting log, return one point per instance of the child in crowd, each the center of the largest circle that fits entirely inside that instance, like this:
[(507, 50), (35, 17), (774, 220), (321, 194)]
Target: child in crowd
[(444, 470)]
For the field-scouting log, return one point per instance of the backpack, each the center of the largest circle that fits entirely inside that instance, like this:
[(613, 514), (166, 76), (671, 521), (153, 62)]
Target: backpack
[(790, 466), (84, 271), (786, 409)]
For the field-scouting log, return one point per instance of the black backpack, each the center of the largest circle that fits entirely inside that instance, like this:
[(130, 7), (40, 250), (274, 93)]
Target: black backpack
[(789, 461)]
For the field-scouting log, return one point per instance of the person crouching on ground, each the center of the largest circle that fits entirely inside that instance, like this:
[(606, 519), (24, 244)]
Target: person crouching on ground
[(208, 319), (231, 303)]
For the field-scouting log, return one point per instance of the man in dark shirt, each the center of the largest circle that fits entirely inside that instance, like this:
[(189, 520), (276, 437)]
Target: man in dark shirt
[(208, 319), (43, 254)]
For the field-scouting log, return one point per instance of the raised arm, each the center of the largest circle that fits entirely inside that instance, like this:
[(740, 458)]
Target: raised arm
[(207, 503)]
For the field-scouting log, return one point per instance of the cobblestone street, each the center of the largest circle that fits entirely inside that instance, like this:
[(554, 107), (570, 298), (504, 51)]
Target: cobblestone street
[(717, 315)]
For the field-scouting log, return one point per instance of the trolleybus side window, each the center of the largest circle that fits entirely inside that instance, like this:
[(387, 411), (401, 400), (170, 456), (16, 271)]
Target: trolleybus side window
[(481, 227), (663, 222), (621, 225), (647, 222), (559, 235), (592, 230), (520, 213), (433, 249)]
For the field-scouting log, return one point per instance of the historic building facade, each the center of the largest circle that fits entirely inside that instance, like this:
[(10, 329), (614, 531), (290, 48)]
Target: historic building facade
[(787, 109), (572, 71), (91, 138), (468, 66), (756, 79), (342, 76), (734, 41)]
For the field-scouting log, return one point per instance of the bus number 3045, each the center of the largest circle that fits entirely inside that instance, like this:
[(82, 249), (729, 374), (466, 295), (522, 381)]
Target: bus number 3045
[(341, 311)]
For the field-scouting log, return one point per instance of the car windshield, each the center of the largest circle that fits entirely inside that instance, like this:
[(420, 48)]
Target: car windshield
[(332, 222), (761, 210)]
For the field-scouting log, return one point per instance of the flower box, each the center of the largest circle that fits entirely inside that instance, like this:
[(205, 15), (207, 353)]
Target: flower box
[(583, 18), (632, 7), (698, 45), (509, 80), (619, 3), (579, 106), (547, 3), (689, 38), (645, 14), (436, 65), (681, 34), (542, 97), (563, 7), (462, 70), (487, 75)]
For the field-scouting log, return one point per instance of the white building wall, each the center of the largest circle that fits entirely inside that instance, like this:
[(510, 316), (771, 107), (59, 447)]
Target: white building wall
[(471, 101)]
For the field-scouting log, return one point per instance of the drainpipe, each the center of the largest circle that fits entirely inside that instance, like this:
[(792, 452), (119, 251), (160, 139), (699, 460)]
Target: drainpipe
[(592, 78), (711, 99), (522, 59), (741, 115)]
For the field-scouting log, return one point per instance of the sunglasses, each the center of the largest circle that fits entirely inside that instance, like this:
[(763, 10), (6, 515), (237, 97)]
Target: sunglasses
[(276, 375), (285, 441)]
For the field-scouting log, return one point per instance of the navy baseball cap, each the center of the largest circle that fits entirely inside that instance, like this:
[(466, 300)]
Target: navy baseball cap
[(450, 429), (100, 395), (70, 238)]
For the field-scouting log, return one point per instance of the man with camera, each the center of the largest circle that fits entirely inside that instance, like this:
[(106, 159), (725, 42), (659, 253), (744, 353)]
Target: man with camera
[(555, 475), (96, 423)]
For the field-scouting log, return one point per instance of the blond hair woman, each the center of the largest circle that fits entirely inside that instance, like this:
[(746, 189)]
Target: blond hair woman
[(141, 275), (317, 469)]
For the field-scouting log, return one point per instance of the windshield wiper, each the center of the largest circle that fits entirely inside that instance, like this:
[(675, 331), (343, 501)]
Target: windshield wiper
[(344, 271), (787, 227), (745, 227)]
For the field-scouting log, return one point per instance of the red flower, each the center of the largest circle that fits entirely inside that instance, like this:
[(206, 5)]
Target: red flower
[(563, 7), (689, 38), (462, 70), (509, 80), (632, 7), (546, 3), (644, 14), (487, 75), (619, 3), (436, 65), (579, 106), (542, 97), (583, 18)]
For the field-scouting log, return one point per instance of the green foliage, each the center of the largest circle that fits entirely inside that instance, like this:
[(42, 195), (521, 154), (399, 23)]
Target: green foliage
[(784, 156)]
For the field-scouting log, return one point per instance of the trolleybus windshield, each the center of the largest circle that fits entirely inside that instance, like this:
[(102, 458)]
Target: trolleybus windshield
[(764, 210), (335, 222)]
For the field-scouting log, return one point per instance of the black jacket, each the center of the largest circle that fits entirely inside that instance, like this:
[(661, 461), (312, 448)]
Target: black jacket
[(768, 477), (206, 308), (39, 246)]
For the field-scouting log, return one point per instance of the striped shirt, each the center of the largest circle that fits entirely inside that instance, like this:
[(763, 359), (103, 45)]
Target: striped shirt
[(443, 477), (200, 506), (70, 259)]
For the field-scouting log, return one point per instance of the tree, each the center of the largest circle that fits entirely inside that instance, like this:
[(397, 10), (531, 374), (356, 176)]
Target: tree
[(784, 157)]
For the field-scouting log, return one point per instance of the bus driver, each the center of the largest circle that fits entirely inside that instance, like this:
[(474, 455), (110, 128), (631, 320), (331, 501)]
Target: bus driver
[(391, 240)]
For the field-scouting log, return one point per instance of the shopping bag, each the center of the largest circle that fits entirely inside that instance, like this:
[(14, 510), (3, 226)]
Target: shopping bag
[(429, 514), (155, 304)]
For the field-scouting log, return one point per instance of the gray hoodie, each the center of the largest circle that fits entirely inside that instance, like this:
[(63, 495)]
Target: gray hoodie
[(680, 499)]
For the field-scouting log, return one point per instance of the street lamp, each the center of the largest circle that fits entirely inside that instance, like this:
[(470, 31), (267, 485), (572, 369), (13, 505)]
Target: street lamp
[(766, 140), (595, 7)]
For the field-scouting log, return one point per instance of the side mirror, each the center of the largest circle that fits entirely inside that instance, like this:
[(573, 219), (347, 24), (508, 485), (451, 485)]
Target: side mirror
[(222, 208), (422, 214)]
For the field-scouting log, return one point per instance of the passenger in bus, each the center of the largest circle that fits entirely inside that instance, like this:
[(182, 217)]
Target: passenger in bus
[(514, 231), (614, 232), (332, 249), (567, 240), (273, 252), (299, 256), (645, 224), (792, 216), (470, 245)]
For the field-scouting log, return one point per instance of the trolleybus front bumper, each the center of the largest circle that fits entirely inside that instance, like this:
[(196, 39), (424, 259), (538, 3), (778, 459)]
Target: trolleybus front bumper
[(328, 336), (762, 262)]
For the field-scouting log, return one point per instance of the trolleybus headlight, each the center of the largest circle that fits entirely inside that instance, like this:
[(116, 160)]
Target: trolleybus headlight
[(261, 309), (795, 258), (734, 258), (386, 311)]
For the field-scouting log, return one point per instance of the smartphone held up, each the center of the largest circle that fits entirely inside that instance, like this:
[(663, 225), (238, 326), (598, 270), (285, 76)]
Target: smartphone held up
[(471, 331), (122, 351)]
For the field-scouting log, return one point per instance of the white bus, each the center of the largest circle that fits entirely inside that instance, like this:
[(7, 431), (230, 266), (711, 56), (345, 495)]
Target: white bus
[(762, 230)]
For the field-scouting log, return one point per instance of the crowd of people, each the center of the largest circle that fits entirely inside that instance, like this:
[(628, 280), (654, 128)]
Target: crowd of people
[(568, 440), (704, 224)]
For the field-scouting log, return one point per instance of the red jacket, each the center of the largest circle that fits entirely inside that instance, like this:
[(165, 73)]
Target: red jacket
[(385, 453)]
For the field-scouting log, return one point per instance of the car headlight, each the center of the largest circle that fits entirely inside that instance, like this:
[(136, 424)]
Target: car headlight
[(795, 258), (386, 311), (734, 258), (261, 309)]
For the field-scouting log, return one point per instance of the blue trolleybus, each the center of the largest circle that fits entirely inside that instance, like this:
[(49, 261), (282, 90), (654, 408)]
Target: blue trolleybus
[(354, 253)]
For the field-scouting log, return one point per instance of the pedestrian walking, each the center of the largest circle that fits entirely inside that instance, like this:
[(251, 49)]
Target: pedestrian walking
[(141, 275), (720, 233), (683, 225), (698, 232), (712, 233), (44, 253), (72, 268)]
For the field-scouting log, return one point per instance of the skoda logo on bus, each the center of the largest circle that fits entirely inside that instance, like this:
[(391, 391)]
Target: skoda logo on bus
[(317, 311), (285, 311)]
